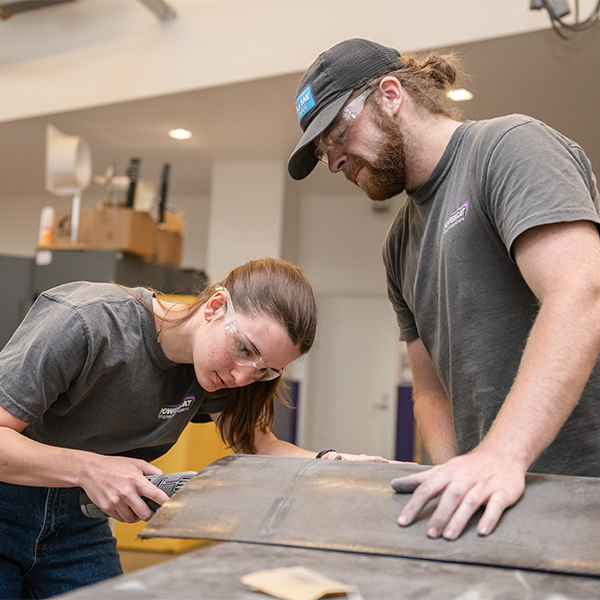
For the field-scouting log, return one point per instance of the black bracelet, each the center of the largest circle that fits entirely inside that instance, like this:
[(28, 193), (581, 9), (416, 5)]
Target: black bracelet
[(324, 452)]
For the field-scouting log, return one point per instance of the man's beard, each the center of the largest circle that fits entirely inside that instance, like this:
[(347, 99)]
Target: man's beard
[(387, 172)]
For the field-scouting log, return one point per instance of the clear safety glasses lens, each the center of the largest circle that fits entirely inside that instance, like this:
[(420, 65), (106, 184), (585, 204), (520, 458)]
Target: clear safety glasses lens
[(336, 137), (240, 348)]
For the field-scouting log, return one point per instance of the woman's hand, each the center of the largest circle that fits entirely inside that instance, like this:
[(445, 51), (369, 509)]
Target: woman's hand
[(333, 455), (116, 485)]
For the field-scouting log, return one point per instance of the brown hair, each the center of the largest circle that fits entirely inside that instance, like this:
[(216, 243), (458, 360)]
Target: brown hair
[(427, 78), (279, 290)]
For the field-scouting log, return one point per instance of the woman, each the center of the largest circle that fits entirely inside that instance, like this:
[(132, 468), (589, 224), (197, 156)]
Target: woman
[(99, 380)]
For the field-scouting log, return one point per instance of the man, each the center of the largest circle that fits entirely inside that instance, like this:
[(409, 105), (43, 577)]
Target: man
[(493, 268)]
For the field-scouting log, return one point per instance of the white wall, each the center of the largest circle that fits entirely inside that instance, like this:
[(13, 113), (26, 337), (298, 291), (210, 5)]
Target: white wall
[(349, 400), (96, 52), (19, 222), (341, 237), (196, 209), (348, 392), (246, 214)]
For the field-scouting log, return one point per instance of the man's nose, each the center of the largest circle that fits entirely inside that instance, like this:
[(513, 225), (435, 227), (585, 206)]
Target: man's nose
[(336, 160)]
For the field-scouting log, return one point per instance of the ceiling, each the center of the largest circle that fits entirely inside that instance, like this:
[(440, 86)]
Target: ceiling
[(535, 73)]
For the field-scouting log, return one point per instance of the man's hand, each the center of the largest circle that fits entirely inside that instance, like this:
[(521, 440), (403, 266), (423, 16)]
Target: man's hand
[(465, 483)]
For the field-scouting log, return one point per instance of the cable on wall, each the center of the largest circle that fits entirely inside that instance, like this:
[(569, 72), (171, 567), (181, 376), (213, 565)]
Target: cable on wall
[(566, 30)]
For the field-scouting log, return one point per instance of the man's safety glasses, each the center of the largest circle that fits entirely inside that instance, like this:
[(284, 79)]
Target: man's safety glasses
[(336, 138)]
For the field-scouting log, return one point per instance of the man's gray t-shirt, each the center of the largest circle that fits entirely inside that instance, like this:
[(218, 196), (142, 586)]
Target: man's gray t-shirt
[(454, 283), (86, 371)]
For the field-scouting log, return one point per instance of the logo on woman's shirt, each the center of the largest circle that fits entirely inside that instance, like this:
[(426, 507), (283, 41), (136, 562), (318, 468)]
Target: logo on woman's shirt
[(169, 411)]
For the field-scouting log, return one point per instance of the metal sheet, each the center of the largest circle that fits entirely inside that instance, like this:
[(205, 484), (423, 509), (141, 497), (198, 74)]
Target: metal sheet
[(350, 506), (214, 572)]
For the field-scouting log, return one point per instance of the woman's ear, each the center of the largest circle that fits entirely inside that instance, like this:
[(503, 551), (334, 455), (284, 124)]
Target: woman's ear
[(216, 306)]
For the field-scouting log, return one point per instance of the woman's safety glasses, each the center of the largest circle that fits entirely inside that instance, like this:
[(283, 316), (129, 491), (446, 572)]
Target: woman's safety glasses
[(242, 350)]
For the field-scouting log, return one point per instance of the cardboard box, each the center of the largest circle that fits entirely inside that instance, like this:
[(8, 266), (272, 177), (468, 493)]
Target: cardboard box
[(125, 229), (60, 237), (174, 221), (61, 233), (169, 246)]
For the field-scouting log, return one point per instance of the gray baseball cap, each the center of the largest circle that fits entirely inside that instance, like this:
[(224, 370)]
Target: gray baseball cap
[(327, 85)]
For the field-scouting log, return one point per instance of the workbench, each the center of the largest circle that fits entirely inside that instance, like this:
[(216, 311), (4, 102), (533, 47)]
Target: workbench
[(339, 519)]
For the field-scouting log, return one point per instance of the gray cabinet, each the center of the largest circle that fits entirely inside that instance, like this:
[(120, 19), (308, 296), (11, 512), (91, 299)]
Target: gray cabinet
[(15, 293), (23, 279)]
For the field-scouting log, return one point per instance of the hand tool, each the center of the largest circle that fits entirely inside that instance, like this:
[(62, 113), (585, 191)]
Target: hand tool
[(167, 482)]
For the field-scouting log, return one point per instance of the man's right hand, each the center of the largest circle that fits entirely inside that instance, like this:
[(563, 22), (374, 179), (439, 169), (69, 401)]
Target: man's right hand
[(464, 484)]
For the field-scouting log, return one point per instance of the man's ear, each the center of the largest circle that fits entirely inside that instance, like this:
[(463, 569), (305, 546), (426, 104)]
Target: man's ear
[(216, 306), (392, 94)]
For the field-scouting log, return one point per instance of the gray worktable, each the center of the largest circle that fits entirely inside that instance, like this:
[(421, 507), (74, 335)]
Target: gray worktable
[(213, 572), (339, 519)]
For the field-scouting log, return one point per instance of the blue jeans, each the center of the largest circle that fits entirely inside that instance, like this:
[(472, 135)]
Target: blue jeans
[(48, 546)]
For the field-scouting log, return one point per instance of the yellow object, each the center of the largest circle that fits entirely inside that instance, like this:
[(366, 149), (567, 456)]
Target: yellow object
[(199, 445)]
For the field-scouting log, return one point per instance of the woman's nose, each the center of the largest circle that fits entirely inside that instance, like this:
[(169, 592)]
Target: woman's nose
[(243, 374)]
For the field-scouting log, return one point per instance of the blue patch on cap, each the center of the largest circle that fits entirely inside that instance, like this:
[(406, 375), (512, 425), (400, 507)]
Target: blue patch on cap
[(304, 101)]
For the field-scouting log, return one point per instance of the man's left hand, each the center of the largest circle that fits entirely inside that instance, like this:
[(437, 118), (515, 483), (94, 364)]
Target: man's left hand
[(465, 483)]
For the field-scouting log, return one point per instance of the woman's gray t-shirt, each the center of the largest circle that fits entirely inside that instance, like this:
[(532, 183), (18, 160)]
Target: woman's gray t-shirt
[(86, 371)]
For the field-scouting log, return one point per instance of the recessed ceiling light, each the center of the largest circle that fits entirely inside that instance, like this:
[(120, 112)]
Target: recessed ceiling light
[(459, 95), (180, 134)]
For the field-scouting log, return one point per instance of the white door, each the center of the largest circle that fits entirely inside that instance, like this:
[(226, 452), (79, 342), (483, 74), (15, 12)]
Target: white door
[(349, 401)]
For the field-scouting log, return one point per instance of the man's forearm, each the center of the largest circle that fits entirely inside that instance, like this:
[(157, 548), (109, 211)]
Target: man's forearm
[(433, 416), (431, 406)]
